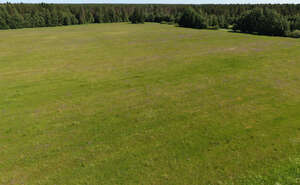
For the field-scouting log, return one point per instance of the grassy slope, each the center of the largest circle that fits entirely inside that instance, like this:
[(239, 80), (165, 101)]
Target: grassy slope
[(148, 104)]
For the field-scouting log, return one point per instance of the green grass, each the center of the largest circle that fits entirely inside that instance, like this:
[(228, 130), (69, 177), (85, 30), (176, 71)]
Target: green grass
[(148, 104)]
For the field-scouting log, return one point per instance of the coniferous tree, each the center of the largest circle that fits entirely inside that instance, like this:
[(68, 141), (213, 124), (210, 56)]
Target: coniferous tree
[(90, 18), (214, 21), (263, 21), (81, 16), (67, 19), (99, 17), (3, 18), (14, 19), (54, 20), (74, 20), (296, 24), (47, 18), (137, 17), (246, 18), (3, 24), (37, 20), (124, 15), (191, 19)]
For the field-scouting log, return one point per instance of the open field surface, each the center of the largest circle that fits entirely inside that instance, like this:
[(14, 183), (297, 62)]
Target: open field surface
[(148, 104)]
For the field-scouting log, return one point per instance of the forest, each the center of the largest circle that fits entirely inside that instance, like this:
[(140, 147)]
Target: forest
[(267, 19)]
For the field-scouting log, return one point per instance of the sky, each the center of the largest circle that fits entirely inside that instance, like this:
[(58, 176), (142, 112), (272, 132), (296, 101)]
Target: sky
[(157, 1)]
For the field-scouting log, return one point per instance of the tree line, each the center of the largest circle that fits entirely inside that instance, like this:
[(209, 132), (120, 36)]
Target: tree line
[(279, 19), (260, 20)]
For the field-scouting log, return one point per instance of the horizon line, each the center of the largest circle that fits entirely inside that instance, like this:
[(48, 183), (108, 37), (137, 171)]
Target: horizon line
[(155, 3)]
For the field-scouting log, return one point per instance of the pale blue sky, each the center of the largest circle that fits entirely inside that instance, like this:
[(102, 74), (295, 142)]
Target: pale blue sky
[(158, 1)]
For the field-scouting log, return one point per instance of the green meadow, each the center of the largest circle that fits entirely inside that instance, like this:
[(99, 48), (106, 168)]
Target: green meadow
[(148, 104)]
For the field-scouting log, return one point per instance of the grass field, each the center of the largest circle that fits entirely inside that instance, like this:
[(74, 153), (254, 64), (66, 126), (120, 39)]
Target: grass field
[(148, 104)]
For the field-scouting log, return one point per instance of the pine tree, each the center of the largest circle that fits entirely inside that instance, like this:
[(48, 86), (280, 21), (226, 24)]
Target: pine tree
[(81, 16), (15, 20), (99, 18), (190, 18), (137, 17), (54, 20), (3, 18), (263, 21), (90, 18), (296, 25)]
